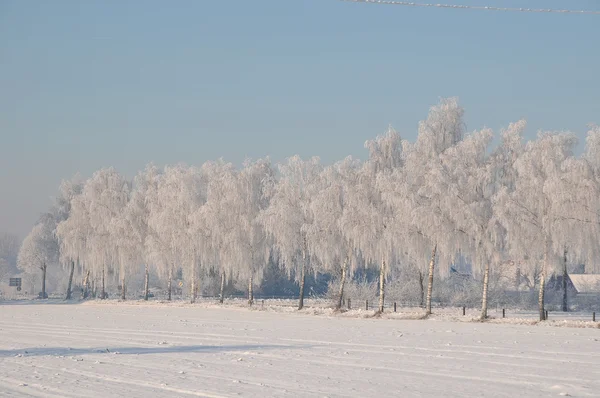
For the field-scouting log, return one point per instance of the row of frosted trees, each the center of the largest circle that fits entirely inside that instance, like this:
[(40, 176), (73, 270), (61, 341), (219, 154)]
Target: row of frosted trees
[(411, 204)]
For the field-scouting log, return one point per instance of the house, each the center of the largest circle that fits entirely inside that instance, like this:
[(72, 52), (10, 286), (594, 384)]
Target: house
[(586, 284)]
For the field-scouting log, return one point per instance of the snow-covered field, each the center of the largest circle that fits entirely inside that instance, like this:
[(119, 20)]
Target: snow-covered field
[(138, 349)]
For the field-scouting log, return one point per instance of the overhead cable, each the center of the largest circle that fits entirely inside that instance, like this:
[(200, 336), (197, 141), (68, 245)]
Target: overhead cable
[(483, 8)]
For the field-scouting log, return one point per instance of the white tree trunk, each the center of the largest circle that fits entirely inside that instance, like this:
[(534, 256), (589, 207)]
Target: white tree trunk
[(250, 292), (103, 285), (86, 282), (193, 286), (541, 295), (342, 283), (382, 286), (123, 289), (146, 283), (44, 267), (193, 290), (301, 295), (170, 283), (69, 286), (430, 284), (565, 304), (222, 293), (484, 300), (421, 278)]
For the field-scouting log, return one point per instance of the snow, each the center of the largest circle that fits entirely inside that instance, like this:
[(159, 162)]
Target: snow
[(155, 349)]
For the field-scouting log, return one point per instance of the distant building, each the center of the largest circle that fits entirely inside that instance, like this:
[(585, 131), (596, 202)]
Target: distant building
[(588, 284), (580, 284)]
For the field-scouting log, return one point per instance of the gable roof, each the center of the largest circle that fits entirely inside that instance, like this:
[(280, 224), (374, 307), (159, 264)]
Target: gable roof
[(586, 283)]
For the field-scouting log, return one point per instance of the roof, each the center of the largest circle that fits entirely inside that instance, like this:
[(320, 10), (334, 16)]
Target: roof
[(586, 283)]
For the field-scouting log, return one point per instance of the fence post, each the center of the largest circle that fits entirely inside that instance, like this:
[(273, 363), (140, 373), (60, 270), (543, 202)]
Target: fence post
[(394, 306), (593, 317), (263, 304), (503, 312), (464, 310), (367, 305), (546, 315), (349, 304)]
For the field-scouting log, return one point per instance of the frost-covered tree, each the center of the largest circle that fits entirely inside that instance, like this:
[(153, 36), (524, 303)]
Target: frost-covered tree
[(215, 221), (471, 184), (9, 250), (368, 221), (427, 186), (39, 249), (289, 215), (326, 239), (575, 193), (162, 247), (61, 211), (105, 196), (529, 212), (254, 186), (182, 192)]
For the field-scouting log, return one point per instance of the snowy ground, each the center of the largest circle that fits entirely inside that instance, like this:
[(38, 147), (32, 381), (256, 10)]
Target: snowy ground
[(165, 350)]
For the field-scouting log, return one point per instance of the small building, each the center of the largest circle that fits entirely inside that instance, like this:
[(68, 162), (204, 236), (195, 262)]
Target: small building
[(586, 284)]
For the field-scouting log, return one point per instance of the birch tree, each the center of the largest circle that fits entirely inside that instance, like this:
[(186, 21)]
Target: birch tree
[(470, 174), (9, 250), (331, 248), (105, 194), (39, 250), (251, 245), (181, 194), (61, 211), (369, 219), (216, 220), (529, 213), (443, 128), (289, 216)]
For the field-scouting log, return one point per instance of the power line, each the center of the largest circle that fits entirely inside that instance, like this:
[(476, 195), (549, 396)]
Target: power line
[(481, 8)]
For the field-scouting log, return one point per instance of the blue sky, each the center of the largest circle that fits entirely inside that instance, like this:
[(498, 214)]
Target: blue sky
[(87, 84)]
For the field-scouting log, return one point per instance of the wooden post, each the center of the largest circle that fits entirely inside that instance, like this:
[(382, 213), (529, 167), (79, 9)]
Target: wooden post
[(349, 306), (367, 305), (263, 304), (593, 317), (394, 306), (503, 312), (546, 314), (464, 310)]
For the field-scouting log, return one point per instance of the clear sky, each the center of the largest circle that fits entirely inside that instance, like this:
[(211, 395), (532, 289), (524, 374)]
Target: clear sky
[(87, 84)]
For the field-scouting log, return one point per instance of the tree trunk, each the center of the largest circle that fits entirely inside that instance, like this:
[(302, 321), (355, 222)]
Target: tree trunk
[(222, 293), (382, 286), (193, 288), (103, 285), (484, 300), (421, 278), (250, 292), (123, 288), (86, 282), (146, 284), (301, 295), (541, 296), (44, 267), (170, 283), (430, 284), (70, 280), (565, 304), (342, 283)]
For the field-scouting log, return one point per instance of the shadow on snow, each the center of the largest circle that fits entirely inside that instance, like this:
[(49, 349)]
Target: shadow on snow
[(67, 351)]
